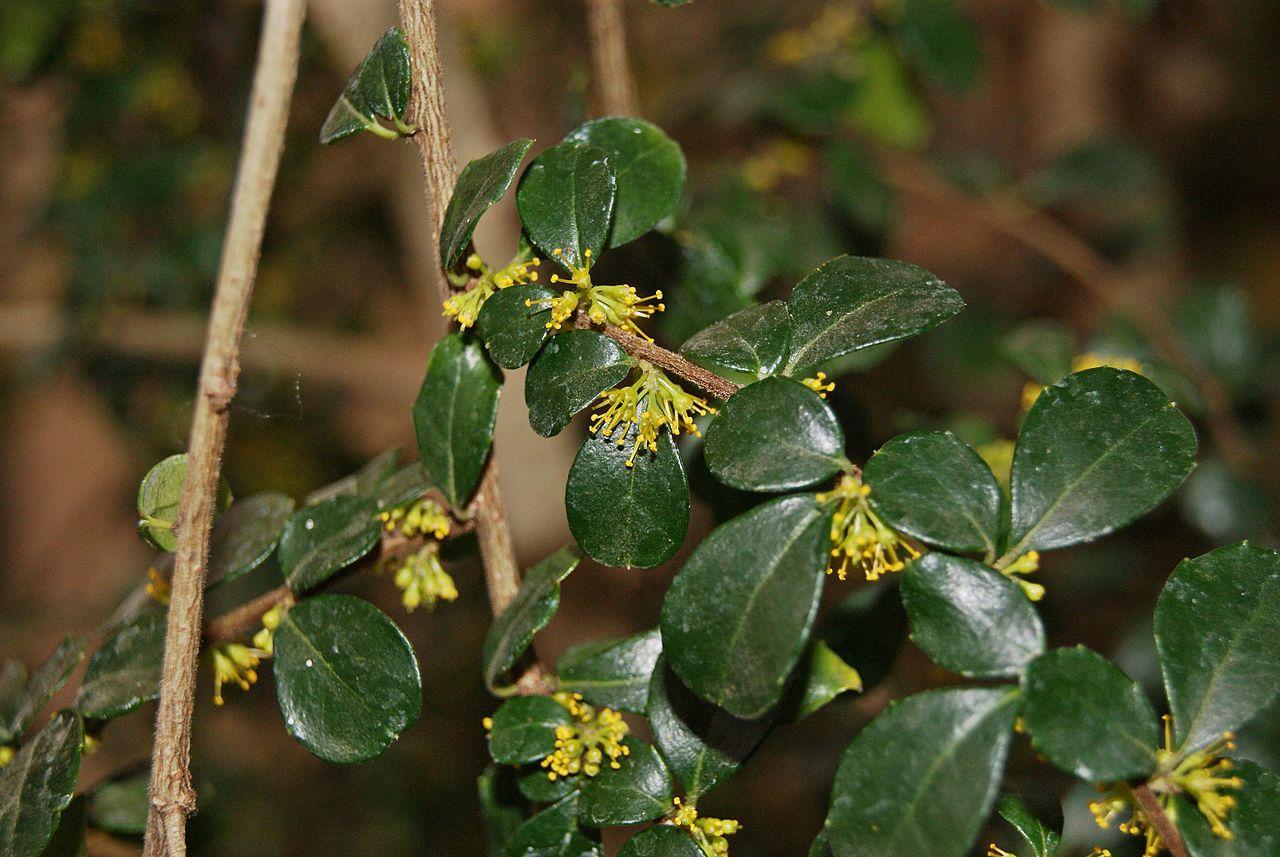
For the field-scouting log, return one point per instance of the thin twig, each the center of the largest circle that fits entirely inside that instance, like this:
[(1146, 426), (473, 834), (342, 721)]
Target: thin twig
[(1164, 825), (239, 621), (172, 795), (643, 349), (1043, 234), (440, 168), (616, 87)]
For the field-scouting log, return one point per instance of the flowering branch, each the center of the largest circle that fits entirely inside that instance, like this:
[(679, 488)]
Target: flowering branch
[(172, 796), (643, 349)]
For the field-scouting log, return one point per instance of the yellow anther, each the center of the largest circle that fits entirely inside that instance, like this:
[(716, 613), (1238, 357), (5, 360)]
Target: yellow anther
[(157, 586), (651, 403), (464, 306), (1028, 563), (237, 664), (859, 537), (819, 384), (424, 580), (994, 850), (594, 738), (487, 723), (708, 833)]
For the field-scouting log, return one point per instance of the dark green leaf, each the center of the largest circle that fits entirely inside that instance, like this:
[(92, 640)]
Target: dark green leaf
[(535, 785), (821, 846), (454, 415), (1098, 449), (1088, 718), (321, 540), (408, 483), (852, 303), (530, 611), (512, 330), (774, 435), (13, 680), (612, 673), (932, 486), (553, 833), (703, 744), (120, 806), (752, 342), (500, 808), (565, 200), (245, 535), (125, 671), (346, 678), (661, 841), (378, 87), (38, 784), (68, 838), (45, 681), (1095, 171), (628, 509), (736, 618), (921, 777), (825, 677), (640, 789), (481, 183), (158, 496), (1042, 841), (650, 169), (970, 619), (524, 729), (1043, 349), (942, 41), (1252, 822), (572, 370), (1217, 628)]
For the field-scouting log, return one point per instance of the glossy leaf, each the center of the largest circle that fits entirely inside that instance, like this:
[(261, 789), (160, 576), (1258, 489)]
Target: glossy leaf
[(125, 671), (38, 784), (120, 806), (245, 535), (535, 785), (1042, 841), (530, 611), (566, 201), (1252, 822), (553, 833), (628, 516), (1088, 718), (661, 841), (568, 374), (774, 435), (346, 678), (408, 483), (921, 777), (1217, 628), (454, 415), (825, 677), (524, 729), (612, 673), (650, 172), (512, 330), (752, 343), (852, 303), (158, 496), (942, 42), (480, 185), (736, 618), (1098, 449), (703, 744), (934, 487), (378, 87), (321, 540), (45, 681), (969, 618), (639, 790), (501, 808)]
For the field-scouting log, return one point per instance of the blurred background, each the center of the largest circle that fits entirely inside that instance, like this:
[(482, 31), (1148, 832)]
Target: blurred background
[(1098, 179)]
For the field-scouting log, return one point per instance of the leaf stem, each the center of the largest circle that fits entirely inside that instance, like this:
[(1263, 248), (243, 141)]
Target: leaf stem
[(172, 795)]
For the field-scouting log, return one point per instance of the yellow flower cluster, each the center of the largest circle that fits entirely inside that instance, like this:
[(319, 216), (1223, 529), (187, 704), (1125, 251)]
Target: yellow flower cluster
[(1091, 360), (425, 517), (234, 663), (594, 738), (708, 833), (837, 25), (650, 403), (424, 580), (265, 640), (1028, 563), (617, 305), (1201, 775), (859, 536), (464, 307)]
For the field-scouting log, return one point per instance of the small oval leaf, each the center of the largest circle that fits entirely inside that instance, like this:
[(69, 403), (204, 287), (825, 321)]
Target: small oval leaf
[(125, 671), (661, 841), (245, 535), (565, 200), (528, 613), (512, 330), (378, 87), (638, 790), (612, 673), (321, 540), (480, 185), (753, 342), (570, 373), (524, 730), (38, 784)]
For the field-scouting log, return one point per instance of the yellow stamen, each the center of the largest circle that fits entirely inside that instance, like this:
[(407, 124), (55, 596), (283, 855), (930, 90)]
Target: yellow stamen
[(649, 404), (708, 833), (237, 664), (858, 535), (592, 740), (157, 586), (818, 383), (424, 580)]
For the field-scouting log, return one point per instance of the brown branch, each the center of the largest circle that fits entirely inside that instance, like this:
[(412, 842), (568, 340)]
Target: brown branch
[(172, 795), (1110, 286), (616, 87), (1164, 825), (239, 621), (440, 169), (643, 349)]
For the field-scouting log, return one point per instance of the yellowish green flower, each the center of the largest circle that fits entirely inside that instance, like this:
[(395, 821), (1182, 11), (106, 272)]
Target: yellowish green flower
[(618, 305), (650, 403), (858, 535), (422, 518), (595, 738), (234, 663), (264, 640), (1028, 563), (819, 384), (6, 755), (464, 306), (708, 833), (424, 580)]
